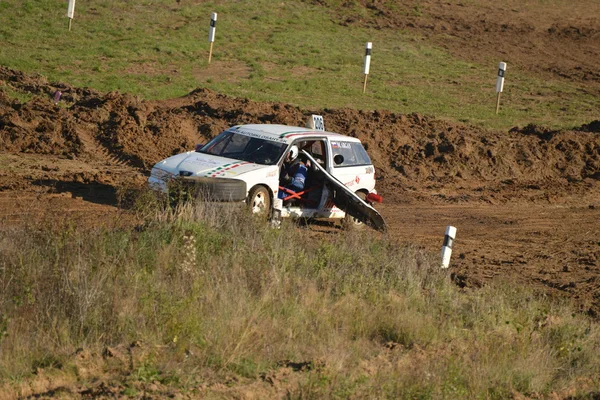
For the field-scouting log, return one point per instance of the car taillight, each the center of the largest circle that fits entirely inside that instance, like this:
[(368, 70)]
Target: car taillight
[(374, 198)]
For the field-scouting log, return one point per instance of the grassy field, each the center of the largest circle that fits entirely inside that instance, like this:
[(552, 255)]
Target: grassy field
[(231, 301), (291, 52)]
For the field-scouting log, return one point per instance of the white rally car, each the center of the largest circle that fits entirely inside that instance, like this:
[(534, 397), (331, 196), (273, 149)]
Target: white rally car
[(243, 163)]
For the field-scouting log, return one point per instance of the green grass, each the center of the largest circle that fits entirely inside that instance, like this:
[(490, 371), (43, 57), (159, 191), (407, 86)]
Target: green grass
[(228, 301), (293, 52), (15, 94)]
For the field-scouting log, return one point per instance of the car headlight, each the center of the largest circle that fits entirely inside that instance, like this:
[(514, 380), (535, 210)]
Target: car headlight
[(161, 174)]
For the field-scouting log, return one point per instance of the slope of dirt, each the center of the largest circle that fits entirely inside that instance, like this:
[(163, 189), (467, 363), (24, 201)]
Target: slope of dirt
[(413, 153), (525, 202)]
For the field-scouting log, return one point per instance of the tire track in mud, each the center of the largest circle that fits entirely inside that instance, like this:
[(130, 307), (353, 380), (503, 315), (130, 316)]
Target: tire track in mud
[(96, 149)]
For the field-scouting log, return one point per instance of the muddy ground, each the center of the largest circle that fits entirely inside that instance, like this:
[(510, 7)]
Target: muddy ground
[(526, 202)]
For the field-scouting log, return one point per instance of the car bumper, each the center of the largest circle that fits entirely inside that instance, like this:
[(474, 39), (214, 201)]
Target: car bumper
[(207, 188)]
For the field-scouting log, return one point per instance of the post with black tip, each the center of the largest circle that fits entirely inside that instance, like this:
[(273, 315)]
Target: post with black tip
[(447, 247), (211, 34), (500, 83), (276, 213), (367, 65), (71, 12)]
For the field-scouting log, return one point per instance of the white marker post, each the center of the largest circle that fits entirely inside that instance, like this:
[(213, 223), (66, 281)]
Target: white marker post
[(276, 215), (500, 83), (211, 34), (447, 247), (368, 49), (71, 12)]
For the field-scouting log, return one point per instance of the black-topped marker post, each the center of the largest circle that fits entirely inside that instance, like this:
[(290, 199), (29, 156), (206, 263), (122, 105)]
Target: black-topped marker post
[(500, 83), (71, 12), (367, 66), (211, 34)]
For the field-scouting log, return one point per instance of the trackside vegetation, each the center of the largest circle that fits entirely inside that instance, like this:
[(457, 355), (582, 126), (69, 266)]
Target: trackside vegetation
[(290, 51), (210, 308)]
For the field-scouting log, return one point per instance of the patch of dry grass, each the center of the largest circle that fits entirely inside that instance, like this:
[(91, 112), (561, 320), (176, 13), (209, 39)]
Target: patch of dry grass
[(222, 304)]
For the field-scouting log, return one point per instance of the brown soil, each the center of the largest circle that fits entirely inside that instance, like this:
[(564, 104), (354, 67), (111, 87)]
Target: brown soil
[(525, 202)]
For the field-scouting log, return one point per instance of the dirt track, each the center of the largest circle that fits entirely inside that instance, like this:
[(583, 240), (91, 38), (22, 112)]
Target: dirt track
[(526, 202), (555, 247)]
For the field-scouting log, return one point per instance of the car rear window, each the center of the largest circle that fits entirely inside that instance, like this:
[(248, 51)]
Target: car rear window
[(353, 152)]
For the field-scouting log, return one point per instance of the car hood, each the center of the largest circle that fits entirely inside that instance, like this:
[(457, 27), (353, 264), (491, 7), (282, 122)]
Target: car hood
[(199, 164)]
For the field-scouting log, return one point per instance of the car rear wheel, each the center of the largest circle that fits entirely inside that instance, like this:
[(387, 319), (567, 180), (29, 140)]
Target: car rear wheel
[(259, 201), (351, 223)]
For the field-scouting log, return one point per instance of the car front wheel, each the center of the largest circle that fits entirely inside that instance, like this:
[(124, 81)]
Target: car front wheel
[(259, 201)]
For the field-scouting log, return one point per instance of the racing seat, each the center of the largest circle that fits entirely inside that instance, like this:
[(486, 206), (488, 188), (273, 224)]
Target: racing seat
[(300, 196), (311, 194)]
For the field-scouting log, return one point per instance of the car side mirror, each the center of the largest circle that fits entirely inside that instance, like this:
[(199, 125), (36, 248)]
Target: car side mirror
[(198, 146), (338, 159)]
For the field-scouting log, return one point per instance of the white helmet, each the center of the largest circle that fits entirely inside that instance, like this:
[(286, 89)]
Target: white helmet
[(293, 152)]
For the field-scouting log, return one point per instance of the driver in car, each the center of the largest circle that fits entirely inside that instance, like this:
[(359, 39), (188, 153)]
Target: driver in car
[(293, 173)]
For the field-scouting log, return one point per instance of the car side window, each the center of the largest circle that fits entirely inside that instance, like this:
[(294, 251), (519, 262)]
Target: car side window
[(317, 149), (318, 152), (353, 152)]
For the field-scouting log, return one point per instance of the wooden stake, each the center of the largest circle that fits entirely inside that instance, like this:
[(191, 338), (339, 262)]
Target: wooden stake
[(365, 84), (498, 102), (70, 20), (210, 52)]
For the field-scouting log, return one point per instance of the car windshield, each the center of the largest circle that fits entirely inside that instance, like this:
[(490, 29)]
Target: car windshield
[(244, 147)]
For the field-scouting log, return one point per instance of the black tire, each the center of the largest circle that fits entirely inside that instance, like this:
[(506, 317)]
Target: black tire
[(349, 222), (259, 201)]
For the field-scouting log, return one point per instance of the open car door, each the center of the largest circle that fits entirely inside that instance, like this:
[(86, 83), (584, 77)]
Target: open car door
[(345, 199)]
